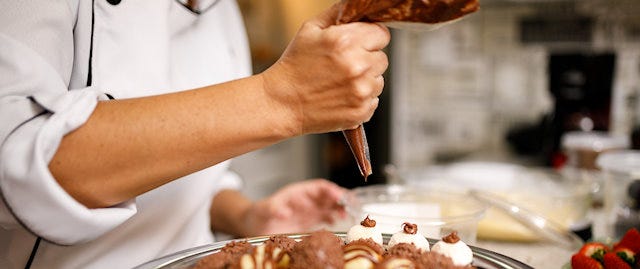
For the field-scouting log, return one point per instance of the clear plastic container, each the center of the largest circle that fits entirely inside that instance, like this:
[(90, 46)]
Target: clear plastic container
[(582, 149), (436, 213), (566, 201), (621, 171)]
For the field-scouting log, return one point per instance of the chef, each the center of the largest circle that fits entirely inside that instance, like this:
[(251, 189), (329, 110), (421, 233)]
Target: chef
[(118, 119)]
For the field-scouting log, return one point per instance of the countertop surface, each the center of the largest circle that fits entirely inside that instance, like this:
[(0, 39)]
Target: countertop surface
[(536, 255)]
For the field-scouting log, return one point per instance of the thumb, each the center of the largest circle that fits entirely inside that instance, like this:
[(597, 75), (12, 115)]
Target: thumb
[(328, 17)]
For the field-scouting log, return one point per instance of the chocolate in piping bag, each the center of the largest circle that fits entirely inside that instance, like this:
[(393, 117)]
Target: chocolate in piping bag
[(419, 11), (356, 138), (357, 141)]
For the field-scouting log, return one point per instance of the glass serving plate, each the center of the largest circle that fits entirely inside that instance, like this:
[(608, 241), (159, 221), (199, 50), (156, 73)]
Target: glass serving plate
[(482, 258)]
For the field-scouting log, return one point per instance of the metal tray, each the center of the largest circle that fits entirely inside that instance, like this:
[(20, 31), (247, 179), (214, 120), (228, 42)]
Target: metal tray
[(482, 258)]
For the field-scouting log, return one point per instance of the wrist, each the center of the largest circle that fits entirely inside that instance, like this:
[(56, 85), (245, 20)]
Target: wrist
[(281, 97), (253, 219)]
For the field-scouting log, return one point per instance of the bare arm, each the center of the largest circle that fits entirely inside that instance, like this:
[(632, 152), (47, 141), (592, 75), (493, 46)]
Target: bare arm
[(298, 207), (131, 146), (328, 79)]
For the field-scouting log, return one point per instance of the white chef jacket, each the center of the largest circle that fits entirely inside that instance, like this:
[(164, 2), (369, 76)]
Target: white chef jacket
[(57, 59)]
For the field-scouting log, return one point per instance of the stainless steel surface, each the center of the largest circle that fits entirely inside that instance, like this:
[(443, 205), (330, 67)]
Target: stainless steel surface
[(482, 258)]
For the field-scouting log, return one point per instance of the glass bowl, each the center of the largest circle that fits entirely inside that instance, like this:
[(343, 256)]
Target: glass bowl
[(436, 213), (562, 199)]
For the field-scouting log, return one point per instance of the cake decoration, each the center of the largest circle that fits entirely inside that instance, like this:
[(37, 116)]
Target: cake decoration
[(366, 229), (410, 235), (452, 247)]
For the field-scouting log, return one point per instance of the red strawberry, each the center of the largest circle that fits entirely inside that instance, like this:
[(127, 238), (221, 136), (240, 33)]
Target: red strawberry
[(630, 240), (626, 255), (579, 261), (595, 250), (612, 261)]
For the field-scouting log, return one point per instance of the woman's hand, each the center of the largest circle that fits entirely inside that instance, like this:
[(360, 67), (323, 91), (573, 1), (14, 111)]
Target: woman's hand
[(298, 207), (330, 76)]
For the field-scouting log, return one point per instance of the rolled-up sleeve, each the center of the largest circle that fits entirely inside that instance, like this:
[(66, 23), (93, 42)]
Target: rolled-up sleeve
[(36, 110)]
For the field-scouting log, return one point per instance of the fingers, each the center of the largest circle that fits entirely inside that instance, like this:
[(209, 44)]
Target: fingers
[(331, 189), (367, 36), (354, 56), (380, 62), (377, 36), (341, 76), (327, 18)]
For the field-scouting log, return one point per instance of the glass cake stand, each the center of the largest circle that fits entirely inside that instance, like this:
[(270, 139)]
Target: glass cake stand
[(185, 259)]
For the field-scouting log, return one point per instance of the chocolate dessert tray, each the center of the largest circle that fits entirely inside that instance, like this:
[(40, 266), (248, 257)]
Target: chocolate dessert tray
[(482, 258)]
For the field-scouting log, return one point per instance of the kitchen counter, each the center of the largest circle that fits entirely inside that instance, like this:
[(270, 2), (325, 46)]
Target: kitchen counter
[(536, 255)]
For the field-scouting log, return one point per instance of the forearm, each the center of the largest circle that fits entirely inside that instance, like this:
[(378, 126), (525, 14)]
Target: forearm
[(128, 147), (228, 213)]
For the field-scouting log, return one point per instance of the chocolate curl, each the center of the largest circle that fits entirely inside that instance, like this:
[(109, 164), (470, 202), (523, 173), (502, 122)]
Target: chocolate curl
[(357, 141)]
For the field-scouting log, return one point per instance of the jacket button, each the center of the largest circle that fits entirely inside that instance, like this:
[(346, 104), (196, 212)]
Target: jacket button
[(114, 2)]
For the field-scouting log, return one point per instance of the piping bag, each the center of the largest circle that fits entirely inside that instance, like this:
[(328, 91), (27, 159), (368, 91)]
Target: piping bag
[(424, 15), (357, 140)]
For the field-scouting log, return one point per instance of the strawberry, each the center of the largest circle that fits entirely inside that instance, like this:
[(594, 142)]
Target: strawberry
[(630, 240), (625, 254), (594, 250), (611, 260), (579, 261)]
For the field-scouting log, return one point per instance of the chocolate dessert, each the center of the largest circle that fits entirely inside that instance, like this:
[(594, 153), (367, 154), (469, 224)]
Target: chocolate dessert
[(456, 250), (284, 242), (405, 250), (226, 256), (409, 235), (321, 249), (263, 256), (419, 258), (396, 263), (362, 254), (436, 260)]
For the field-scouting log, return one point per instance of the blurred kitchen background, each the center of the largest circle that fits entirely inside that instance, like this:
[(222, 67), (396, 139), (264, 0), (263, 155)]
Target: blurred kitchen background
[(503, 84)]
